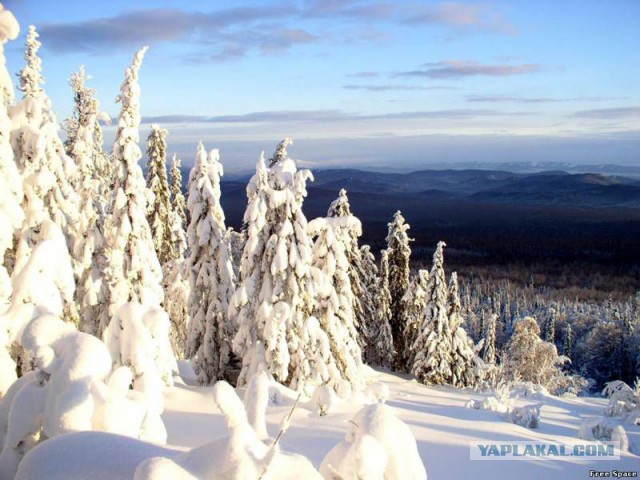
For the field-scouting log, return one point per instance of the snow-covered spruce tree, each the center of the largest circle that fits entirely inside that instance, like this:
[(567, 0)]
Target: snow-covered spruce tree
[(415, 302), (568, 341), (380, 344), (211, 272), (46, 169), (11, 214), (87, 105), (178, 201), (158, 212), (550, 326), (368, 273), (489, 344), (277, 290), (399, 256), (174, 273), (334, 309), (528, 357), (134, 325), (88, 249), (433, 346), (466, 366)]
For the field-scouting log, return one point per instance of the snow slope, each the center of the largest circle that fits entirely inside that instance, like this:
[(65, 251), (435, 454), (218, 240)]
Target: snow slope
[(437, 416)]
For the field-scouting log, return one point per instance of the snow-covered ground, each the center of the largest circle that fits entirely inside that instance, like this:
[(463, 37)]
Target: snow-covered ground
[(438, 418)]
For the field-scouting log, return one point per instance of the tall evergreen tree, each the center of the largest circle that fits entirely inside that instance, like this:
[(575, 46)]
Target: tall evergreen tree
[(177, 286), (178, 201), (340, 208), (11, 198), (415, 302), (211, 272), (46, 169), (277, 291), (133, 271), (335, 307), (380, 350), (489, 345), (89, 249), (86, 105), (433, 350), (368, 273), (568, 341), (159, 210), (399, 256)]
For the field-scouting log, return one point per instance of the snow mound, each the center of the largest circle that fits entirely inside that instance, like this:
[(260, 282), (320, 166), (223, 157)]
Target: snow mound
[(240, 456), (378, 446)]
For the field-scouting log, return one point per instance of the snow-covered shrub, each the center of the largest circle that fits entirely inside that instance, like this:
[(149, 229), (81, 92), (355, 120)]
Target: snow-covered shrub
[(377, 392), (568, 385), (323, 398), (526, 390), (138, 337), (600, 429), (378, 446), (622, 398), (526, 416), (500, 401)]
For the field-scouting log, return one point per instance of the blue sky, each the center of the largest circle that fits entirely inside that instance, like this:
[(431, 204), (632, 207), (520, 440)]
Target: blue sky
[(382, 84)]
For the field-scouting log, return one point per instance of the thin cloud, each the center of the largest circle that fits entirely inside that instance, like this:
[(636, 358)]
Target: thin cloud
[(364, 75), (232, 31), (320, 116), (467, 68), (349, 9), (514, 99), (462, 16), (610, 113), (396, 88)]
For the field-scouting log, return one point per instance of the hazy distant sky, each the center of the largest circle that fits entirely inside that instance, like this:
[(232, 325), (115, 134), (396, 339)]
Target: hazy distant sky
[(378, 84)]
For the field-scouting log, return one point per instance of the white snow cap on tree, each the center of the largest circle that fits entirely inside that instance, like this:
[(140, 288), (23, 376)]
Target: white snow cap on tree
[(212, 277), (9, 30)]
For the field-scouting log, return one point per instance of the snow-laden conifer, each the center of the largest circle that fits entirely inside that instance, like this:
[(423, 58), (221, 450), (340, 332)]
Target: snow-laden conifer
[(175, 275), (86, 105), (415, 303), (433, 345), (380, 350), (211, 272), (159, 210), (340, 207), (89, 158), (368, 273), (335, 304), (399, 256), (11, 196), (465, 364), (275, 298), (133, 274), (178, 202), (46, 169)]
